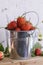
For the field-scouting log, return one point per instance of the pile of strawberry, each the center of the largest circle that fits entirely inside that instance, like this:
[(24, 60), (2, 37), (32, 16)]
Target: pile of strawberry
[(21, 24)]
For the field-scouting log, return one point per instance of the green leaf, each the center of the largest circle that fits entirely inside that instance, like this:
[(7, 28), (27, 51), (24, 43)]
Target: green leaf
[(1, 47), (6, 50), (36, 45), (33, 55), (41, 53)]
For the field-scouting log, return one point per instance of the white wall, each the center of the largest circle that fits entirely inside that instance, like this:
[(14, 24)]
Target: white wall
[(17, 8)]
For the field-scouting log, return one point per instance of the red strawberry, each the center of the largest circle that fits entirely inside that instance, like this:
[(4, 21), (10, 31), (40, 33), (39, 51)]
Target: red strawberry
[(1, 55), (17, 29), (20, 21), (12, 25), (26, 27), (38, 52)]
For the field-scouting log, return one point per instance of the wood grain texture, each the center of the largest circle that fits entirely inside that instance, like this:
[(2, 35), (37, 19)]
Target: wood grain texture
[(31, 61)]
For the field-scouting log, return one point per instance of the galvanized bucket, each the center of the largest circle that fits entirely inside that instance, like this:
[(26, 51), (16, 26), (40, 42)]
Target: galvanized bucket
[(20, 45)]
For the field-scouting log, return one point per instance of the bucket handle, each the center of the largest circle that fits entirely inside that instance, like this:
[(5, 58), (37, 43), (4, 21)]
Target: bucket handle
[(24, 14)]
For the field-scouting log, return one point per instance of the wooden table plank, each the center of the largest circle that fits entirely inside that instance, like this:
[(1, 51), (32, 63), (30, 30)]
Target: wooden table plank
[(31, 61)]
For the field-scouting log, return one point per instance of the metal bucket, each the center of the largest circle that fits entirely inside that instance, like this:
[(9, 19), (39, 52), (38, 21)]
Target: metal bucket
[(20, 45)]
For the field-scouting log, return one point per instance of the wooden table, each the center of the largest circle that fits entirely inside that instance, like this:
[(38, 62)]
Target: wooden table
[(31, 61)]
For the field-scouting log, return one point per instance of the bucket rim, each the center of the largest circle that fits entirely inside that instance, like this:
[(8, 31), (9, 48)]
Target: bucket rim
[(19, 31)]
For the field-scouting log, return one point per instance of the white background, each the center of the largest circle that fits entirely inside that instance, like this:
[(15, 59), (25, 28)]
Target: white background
[(17, 8)]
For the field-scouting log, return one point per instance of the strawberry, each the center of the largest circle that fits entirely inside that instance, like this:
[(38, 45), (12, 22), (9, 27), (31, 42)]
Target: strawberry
[(38, 52), (17, 29), (12, 25), (32, 28), (1, 55), (20, 21), (27, 26)]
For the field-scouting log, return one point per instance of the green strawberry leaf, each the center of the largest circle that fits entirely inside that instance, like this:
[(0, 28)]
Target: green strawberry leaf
[(1, 47), (33, 55), (6, 52), (41, 53)]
